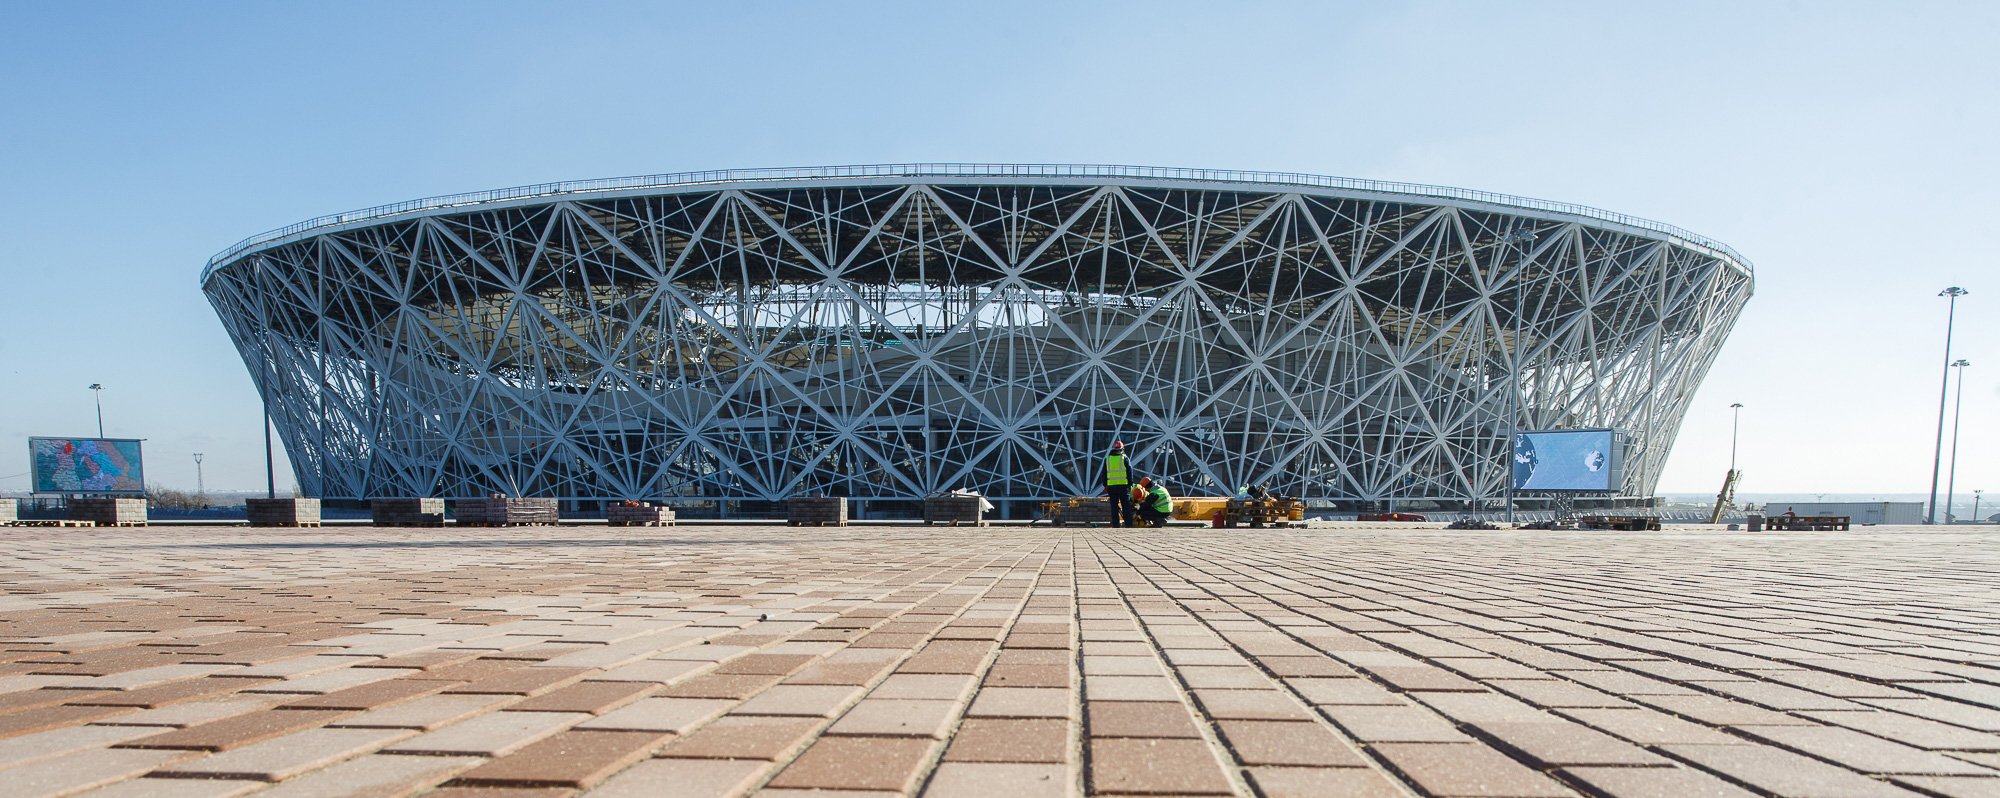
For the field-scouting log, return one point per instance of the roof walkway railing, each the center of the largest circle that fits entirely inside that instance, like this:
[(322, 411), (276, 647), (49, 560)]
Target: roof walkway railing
[(966, 170)]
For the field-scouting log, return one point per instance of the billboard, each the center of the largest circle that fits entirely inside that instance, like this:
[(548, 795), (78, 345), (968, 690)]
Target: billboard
[(87, 465), (1580, 460)]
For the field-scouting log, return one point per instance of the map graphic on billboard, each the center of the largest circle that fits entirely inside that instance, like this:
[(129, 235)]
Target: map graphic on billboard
[(1568, 460), (86, 465)]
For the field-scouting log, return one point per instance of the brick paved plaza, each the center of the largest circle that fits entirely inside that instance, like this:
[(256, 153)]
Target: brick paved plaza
[(1008, 661)]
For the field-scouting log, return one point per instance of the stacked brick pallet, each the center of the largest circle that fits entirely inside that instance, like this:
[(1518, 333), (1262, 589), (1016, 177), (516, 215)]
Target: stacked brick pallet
[(1263, 512), (638, 515), (109, 512), (816, 511), (283, 512), (508, 511), (10, 511), (1082, 510), (954, 510), (407, 512)]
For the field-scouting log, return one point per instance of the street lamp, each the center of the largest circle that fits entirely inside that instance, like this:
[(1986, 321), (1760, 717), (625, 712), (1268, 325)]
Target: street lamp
[(200, 485), (1521, 239), (1937, 457), (1975, 505), (1735, 415), (97, 390), (1951, 478)]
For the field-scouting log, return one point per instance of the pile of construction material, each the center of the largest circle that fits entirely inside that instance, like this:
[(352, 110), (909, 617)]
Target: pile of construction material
[(407, 512), (283, 512), (1255, 512), (108, 511), (1079, 511), (630, 513), (816, 511), (955, 508), (508, 511), (10, 511)]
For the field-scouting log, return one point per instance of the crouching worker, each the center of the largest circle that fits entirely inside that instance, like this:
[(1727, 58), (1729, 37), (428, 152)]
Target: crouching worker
[(1158, 506)]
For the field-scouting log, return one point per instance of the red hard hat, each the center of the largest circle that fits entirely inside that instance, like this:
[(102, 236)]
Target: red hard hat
[(1145, 480), (1117, 444)]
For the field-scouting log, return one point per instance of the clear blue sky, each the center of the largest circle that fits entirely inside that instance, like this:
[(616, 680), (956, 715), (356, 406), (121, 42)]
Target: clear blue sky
[(1848, 149)]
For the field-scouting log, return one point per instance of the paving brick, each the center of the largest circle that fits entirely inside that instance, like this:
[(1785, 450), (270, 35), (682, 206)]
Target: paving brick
[(1155, 766), (659, 714), (578, 759), (82, 770), (1449, 770), (423, 714), (29, 721), (1863, 752), (238, 731), (167, 694), (1139, 719), (522, 681), (281, 758), (681, 778), (998, 780), (595, 698), (1282, 743), (743, 737), (856, 763), (1555, 742), (1291, 782), (372, 776), (1043, 740), (1646, 727), (896, 717), (1783, 772), (1394, 724), (819, 701), (1678, 782), (1021, 702), (369, 696), (492, 734)]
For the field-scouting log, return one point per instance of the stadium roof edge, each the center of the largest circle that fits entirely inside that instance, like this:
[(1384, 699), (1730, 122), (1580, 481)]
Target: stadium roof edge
[(430, 205)]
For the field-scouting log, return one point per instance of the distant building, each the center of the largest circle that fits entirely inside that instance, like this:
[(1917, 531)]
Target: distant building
[(885, 332), (1896, 513)]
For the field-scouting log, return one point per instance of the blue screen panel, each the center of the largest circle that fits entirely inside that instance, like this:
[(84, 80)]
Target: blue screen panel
[(87, 465), (1567, 460)]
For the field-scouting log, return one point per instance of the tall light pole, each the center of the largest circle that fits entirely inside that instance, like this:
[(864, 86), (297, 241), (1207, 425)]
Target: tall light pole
[(1951, 474), (1937, 457), (200, 485), (1975, 505), (1521, 239), (97, 390), (1735, 416)]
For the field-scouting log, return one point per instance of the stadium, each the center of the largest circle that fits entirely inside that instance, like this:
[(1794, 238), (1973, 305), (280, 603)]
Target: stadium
[(886, 332)]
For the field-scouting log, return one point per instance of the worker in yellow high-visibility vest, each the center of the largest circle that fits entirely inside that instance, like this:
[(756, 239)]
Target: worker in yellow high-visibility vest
[(1158, 505), (1118, 484)]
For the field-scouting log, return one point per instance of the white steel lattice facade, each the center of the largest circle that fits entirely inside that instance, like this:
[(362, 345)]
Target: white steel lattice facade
[(887, 332)]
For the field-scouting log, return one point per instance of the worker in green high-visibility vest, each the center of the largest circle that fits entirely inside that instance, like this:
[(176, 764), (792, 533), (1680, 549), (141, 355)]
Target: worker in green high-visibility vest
[(1157, 507), (1118, 484)]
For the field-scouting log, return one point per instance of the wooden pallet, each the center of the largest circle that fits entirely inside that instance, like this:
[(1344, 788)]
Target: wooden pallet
[(668, 522), (52, 522), (955, 522)]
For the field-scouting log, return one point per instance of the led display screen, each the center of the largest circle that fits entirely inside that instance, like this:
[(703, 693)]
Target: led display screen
[(86, 465), (1583, 460)]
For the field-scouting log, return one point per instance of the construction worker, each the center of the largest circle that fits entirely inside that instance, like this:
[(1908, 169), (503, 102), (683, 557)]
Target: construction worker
[(1157, 507), (1118, 484)]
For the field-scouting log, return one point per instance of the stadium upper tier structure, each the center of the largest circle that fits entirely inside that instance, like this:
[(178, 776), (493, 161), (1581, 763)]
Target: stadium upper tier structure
[(887, 332)]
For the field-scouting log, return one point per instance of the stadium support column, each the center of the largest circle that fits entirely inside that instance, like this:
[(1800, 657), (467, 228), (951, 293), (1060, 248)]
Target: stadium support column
[(1521, 239)]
